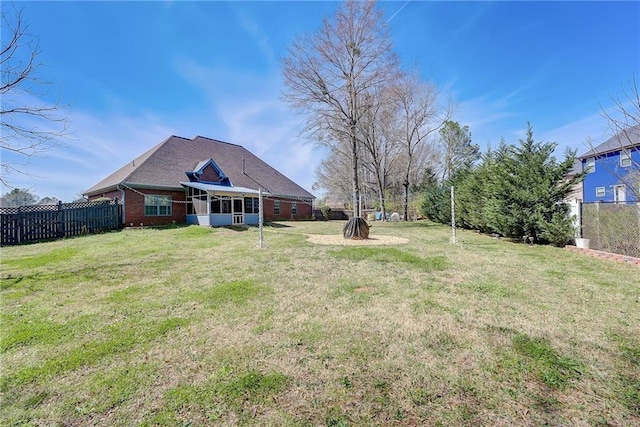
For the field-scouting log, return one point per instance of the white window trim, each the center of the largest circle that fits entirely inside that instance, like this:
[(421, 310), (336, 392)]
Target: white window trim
[(625, 157), (277, 207), (615, 193), (590, 165), (158, 198), (601, 189)]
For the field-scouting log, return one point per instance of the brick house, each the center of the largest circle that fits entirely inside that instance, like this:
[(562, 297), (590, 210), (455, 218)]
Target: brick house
[(201, 181)]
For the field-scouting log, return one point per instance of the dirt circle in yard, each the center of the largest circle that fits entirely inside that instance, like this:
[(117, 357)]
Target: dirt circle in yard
[(332, 239)]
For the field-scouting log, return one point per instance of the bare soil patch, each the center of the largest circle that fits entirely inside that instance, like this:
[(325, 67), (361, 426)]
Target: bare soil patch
[(332, 239)]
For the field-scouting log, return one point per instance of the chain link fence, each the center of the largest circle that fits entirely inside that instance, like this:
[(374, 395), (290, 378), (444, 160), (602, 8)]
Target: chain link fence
[(612, 227)]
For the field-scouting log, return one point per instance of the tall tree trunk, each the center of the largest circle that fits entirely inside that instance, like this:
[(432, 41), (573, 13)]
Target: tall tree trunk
[(356, 183), (383, 207), (406, 197)]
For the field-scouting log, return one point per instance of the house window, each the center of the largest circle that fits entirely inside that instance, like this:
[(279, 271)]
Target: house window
[(294, 209), (600, 192), (276, 207), (590, 165), (625, 158), (251, 205), (157, 205)]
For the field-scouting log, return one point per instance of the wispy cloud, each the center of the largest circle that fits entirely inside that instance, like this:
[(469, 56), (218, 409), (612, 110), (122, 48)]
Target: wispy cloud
[(261, 39), (251, 113), (579, 134), (488, 119)]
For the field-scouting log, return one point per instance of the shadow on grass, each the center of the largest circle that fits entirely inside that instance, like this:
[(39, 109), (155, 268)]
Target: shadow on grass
[(410, 224), (236, 227), (276, 225), (165, 226)]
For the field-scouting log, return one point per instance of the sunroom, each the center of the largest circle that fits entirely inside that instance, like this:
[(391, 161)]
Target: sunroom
[(220, 205)]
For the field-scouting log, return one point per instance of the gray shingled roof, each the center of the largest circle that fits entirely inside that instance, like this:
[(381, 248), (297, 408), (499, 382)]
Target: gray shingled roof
[(630, 137), (164, 166)]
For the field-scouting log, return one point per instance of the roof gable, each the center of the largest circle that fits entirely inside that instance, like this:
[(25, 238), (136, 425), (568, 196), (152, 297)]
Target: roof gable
[(208, 172)]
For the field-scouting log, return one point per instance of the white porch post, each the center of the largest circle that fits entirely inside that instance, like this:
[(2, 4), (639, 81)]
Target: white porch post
[(260, 220)]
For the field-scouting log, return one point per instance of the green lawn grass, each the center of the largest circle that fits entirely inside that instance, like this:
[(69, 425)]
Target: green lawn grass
[(197, 326)]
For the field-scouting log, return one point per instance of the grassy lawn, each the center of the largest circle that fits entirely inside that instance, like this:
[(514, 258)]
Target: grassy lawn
[(196, 326)]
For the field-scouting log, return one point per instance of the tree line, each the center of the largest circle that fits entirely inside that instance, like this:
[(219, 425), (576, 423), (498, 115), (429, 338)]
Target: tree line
[(24, 197), (517, 191)]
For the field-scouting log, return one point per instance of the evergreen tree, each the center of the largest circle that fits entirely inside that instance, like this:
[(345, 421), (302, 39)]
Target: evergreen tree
[(529, 192)]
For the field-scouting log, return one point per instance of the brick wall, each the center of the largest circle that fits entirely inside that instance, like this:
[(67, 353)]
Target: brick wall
[(304, 210), (134, 208)]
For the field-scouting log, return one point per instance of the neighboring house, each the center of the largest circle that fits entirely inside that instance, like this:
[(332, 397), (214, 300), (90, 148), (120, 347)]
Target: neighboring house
[(576, 194), (201, 181), (613, 169), (574, 198)]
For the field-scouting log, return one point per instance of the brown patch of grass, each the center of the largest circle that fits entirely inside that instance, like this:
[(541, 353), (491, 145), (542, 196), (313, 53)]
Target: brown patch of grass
[(322, 239), (364, 289)]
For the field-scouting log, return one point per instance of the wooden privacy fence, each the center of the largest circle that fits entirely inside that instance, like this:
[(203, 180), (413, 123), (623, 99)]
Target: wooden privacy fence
[(43, 222)]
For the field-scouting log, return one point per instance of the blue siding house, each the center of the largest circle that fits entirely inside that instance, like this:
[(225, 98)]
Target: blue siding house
[(613, 169)]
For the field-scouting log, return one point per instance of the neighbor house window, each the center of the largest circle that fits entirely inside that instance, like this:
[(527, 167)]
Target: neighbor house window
[(590, 165), (599, 191), (625, 158), (157, 205), (276, 207), (294, 209)]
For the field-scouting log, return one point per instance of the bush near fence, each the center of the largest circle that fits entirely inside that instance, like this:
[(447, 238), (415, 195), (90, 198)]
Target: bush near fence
[(612, 227), (45, 222)]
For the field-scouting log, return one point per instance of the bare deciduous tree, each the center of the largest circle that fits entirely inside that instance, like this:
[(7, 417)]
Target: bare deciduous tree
[(327, 74), (378, 136), (420, 114), (30, 126), (333, 175)]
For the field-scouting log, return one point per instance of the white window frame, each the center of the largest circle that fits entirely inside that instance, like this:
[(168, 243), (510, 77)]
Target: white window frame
[(590, 165), (276, 207), (294, 209), (616, 193), (601, 191), (625, 158), (157, 202)]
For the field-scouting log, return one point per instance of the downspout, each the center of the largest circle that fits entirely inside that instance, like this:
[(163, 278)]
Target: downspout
[(124, 205)]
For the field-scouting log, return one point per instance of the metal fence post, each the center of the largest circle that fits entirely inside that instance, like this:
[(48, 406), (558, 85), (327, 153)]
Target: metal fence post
[(60, 226), (20, 225), (598, 225)]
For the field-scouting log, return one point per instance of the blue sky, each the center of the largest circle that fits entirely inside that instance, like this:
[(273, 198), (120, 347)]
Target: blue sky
[(135, 73)]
